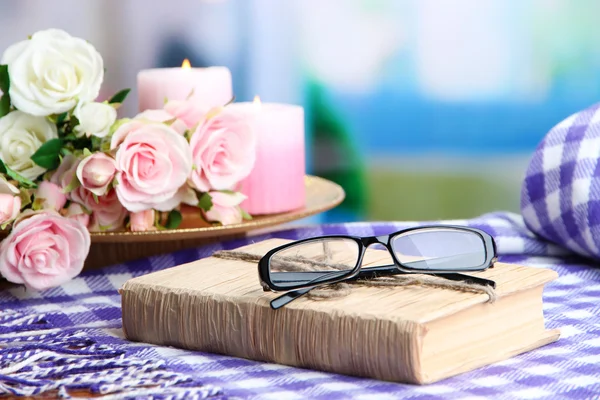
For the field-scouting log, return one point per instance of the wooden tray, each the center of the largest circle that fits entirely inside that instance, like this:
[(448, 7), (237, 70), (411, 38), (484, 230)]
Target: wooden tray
[(115, 247)]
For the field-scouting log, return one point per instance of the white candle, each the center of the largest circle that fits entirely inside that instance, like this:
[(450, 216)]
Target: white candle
[(209, 87), (276, 184)]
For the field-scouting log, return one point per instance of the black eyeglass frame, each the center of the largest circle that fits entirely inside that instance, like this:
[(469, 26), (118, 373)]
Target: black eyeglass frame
[(363, 243)]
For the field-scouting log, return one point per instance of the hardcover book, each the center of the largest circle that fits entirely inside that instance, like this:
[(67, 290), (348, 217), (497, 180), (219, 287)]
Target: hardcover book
[(416, 333)]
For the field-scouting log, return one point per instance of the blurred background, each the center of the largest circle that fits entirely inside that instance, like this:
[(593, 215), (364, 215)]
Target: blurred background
[(421, 109)]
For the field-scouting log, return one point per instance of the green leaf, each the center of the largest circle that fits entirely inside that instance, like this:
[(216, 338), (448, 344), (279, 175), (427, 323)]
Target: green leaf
[(4, 105), (16, 176), (96, 142), (61, 117), (100, 144), (48, 155), (119, 97), (27, 183), (74, 184), (205, 202), (73, 121), (170, 122), (105, 146), (38, 203), (104, 228), (245, 215), (82, 143), (4, 87), (25, 196), (117, 125), (4, 79), (173, 220)]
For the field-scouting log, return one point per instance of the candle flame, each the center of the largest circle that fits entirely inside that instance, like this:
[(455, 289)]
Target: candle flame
[(257, 101), (186, 64)]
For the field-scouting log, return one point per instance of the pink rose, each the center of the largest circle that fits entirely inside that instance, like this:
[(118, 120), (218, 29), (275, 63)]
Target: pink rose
[(223, 151), (44, 250), (66, 172), (77, 212), (153, 163), (142, 221), (190, 112), (49, 196), (10, 202), (163, 116), (226, 208), (123, 130), (96, 172), (186, 195), (107, 212)]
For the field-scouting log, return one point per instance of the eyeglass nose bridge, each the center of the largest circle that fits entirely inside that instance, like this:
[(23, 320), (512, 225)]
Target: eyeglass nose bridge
[(383, 239)]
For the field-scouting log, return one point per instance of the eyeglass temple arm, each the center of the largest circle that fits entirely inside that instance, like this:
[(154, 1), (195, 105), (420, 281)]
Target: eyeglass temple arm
[(288, 297), (373, 272), (294, 294)]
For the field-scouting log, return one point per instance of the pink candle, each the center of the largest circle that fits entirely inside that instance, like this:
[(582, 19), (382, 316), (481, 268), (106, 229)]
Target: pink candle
[(276, 184), (210, 87)]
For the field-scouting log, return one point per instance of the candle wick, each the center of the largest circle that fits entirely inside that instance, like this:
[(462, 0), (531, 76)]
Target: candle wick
[(230, 101), (189, 96)]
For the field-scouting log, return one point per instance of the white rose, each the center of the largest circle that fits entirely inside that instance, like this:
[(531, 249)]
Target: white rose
[(94, 119), (10, 202), (51, 72), (20, 136)]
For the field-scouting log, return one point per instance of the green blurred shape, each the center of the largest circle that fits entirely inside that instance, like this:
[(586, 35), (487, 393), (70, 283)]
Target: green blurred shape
[(397, 195), (334, 154)]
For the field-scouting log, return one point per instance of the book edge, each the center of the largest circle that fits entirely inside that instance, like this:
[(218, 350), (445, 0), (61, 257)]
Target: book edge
[(406, 331), (546, 337)]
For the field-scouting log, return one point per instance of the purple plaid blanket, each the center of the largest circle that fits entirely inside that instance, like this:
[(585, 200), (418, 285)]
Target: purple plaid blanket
[(560, 196), (70, 337)]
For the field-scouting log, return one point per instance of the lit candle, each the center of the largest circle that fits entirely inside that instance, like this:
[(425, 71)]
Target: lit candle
[(276, 184), (209, 87)]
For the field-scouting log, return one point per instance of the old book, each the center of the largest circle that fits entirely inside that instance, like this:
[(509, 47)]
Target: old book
[(411, 334)]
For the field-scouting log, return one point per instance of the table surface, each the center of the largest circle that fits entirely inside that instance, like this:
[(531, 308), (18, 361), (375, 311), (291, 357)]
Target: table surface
[(69, 339)]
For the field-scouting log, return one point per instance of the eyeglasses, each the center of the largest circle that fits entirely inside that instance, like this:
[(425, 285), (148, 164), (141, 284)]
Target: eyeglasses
[(442, 251)]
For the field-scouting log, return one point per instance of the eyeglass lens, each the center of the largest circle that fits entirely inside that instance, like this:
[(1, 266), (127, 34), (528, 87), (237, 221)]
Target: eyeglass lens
[(314, 261), (439, 249)]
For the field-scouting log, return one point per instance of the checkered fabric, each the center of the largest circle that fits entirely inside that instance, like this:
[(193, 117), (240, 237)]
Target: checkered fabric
[(567, 369), (560, 197)]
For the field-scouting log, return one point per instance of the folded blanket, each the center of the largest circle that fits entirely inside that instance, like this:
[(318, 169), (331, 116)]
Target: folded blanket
[(560, 197)]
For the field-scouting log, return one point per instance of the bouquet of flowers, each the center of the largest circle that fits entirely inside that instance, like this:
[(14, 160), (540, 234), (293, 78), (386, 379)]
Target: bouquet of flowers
[(69, 166)]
